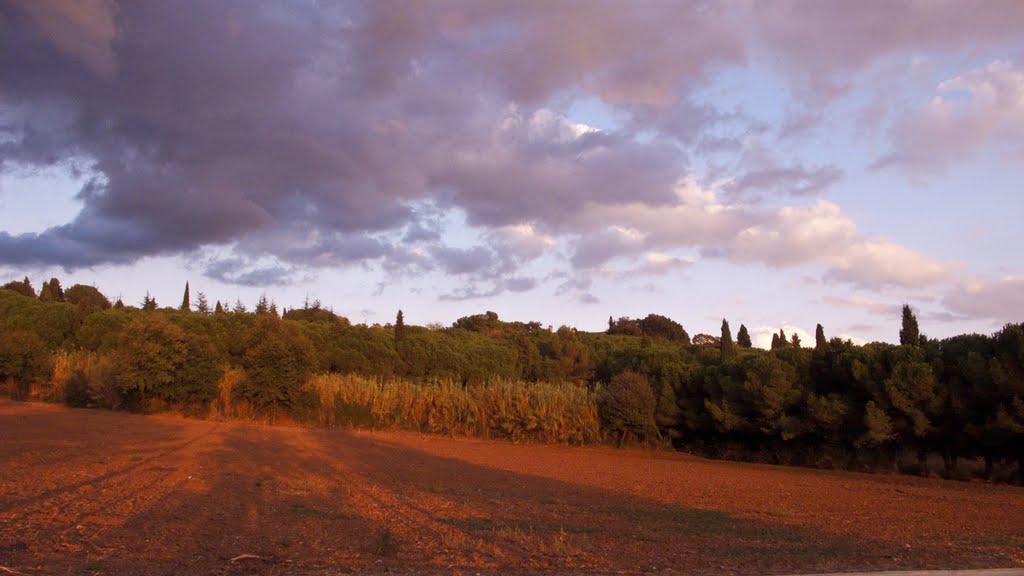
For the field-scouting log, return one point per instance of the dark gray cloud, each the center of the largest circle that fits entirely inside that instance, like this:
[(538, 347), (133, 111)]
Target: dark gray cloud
[(260, 126), (314, 134)]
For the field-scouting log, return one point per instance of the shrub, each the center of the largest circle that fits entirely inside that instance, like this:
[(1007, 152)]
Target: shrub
[(23, 359), (278, 360), (626, 407), (156, 359)]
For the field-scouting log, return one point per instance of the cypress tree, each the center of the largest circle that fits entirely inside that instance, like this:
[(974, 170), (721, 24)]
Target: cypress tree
[(399, 326), (186, 302), (725, 343), (775, 341), (743, 337), (910, 335), (820, 343)]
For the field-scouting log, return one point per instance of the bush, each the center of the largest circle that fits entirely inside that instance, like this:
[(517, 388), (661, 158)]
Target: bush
[(626, 407), (76, 390), (278, 361), (23, 360), (158, 360)]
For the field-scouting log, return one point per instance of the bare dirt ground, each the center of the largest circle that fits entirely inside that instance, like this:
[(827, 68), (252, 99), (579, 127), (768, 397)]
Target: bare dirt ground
[(93, 492)]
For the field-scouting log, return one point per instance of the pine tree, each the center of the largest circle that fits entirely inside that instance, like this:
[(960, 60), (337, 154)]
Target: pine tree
[(725, 342), (795, 340), (202, 305), (239, 307), (743, 337), (119, 305), (273, 310), (262, 306), (148, 303), (399, 326), (910, 335), (186, 302), (820, 343), (218, 309), (611, 324)]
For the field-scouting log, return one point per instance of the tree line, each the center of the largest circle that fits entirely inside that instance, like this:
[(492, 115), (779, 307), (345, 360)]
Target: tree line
[(830, 404)]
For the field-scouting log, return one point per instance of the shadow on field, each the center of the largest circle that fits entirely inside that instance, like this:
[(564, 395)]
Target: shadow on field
[(186, 497)]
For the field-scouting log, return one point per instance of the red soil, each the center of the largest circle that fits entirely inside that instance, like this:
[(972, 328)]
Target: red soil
[(93, 492)]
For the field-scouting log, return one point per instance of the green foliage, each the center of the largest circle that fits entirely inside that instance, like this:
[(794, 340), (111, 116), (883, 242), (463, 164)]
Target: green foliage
[(51, 291), (278, 360), (725, 343), (157, 359), (87, 298), (910, 335), (23, 359), (626, 407), (820, 343), (186, 301), (743, 338), (24, 287)]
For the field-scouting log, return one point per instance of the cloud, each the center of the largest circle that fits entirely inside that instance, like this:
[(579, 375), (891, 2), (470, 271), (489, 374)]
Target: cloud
[(823, 233), (879, 307), (849, 37), (783, 180), (84, 30), (979, 107), (999, 299), (761, 336)]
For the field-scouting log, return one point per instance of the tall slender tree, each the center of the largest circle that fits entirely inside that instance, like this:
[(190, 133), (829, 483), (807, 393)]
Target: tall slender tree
[(725, 342), (186, 302), (820, 343), (399, 326), (910, 335), (743, 337)]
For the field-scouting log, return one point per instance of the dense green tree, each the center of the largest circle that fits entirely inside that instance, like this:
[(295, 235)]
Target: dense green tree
[(794, 340), (51, 291), (278, 360), (820, 343), (86, 298), (743, 337), (626, 408), (399, 326), (218, 309), (24, 287), (909, 333), (725, 343), (148, 303), (23, 360), (157, 359)]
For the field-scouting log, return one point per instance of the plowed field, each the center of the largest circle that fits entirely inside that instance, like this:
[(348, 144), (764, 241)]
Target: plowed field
[(94, 492)]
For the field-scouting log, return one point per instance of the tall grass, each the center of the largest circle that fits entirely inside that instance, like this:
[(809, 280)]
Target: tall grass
[(542, 412)]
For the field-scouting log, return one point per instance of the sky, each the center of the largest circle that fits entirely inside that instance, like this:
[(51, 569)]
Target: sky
[(779, 163)]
